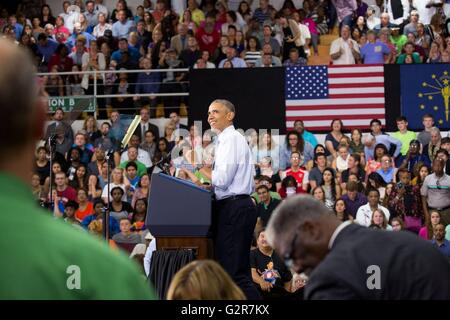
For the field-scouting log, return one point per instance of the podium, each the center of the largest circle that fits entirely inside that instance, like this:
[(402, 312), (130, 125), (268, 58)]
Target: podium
[(179, 215)]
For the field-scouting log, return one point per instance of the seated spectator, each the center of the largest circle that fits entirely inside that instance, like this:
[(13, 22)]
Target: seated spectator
[(439, 240), (85, 207), (443, 155), (132, 177), (138, 156), (344, 50), (340, 211), (116, 181), (267, 49), (417, 48), (379, 219), (430, 150), (119, 208), (376, 181), (207, 36), (79, 34), (125, 235), (397, 224), (405, 202), (203, 62), (80, 178), (273, 184), (295, 142), (353, 199), (64, 192), (123, 26), (353, 167), (294, 59), (61, 60), (191, 54), (319, 194), (420, 173), (329, 186), (269, 273), (147, 83), (365, 212), (387, 170), (340, 164), (80, 141), (252, 52), (413, 157), (333, 138), (235, 61), (102, 26), (320, 163), (299, 126), (203, 280), (289, 187), (124, 47), (409, 51), (46, 47), (411, 27), (426, 232), (372, 20), (384, 23), (300, 174), (266, 205), (374, 51), (94, 222), (268, 39)]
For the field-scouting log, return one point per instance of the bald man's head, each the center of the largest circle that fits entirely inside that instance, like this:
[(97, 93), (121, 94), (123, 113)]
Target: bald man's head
[(22, 120)]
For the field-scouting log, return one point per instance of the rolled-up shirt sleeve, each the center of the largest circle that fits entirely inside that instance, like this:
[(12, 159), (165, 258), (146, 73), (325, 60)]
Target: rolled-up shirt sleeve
[(226, 163)]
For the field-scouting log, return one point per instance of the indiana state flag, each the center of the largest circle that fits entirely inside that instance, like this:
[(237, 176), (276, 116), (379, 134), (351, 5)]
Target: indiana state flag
[(425, 89)]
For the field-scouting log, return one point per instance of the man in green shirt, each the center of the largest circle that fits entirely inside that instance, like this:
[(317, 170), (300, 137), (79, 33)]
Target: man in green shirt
[(41, 257), (132, 156), (403, 134)]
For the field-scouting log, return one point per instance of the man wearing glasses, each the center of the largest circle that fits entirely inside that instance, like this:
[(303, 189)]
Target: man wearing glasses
[(436, 192), (347, 261)]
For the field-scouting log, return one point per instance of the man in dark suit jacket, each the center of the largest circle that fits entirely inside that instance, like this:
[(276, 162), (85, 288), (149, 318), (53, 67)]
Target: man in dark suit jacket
[(175, 118), (348, 261), (145, 125), (59, 127)]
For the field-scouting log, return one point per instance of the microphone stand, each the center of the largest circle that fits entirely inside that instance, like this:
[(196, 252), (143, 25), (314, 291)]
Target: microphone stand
[(107, 209), (52, 147)]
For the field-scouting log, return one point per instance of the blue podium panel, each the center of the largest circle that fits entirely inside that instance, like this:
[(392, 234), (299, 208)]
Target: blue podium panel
[(177, 208)]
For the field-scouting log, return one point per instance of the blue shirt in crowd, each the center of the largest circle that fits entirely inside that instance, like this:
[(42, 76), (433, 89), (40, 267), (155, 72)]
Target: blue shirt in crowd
[(373, 53), (309, 137), (134, 55), (148, 82), (444, 248), (388, 141), (122, 30), (48, 50)]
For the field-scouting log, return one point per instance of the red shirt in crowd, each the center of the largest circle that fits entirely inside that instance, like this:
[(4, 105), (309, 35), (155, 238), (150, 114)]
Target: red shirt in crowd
[(207, 41)]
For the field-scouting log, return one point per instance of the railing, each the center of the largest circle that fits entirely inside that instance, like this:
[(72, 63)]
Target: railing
[(95, 83)]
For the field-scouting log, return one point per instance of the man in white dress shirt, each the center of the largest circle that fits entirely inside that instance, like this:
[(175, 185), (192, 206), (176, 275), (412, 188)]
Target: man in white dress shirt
[(234, 213)]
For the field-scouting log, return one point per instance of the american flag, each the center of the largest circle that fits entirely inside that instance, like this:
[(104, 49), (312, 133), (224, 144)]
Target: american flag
[(319, 94)]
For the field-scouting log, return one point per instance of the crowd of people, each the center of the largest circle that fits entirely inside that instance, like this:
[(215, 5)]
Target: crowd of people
[(85, 36), (397, 181), (394, 182)]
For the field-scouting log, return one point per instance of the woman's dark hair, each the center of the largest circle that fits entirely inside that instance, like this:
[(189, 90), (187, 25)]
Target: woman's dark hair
[(380, 146), (346, 215), (133, 219), (69, 154), (416, 172), (139, 183), (379, 181), (241, 11), (258, 45), (50, 14), (340, 122), (97, 201), (232, 14), (317, 146), (300, 144), (357, 158), (60, 47), (163, 140), (287, 181), (75, 182), (117, 188), (333, 181)]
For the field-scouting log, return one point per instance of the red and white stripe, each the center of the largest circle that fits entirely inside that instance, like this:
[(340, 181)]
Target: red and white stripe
[(356, 96)]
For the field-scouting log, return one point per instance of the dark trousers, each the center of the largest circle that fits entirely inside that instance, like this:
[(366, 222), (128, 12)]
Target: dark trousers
[(233, 225)]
